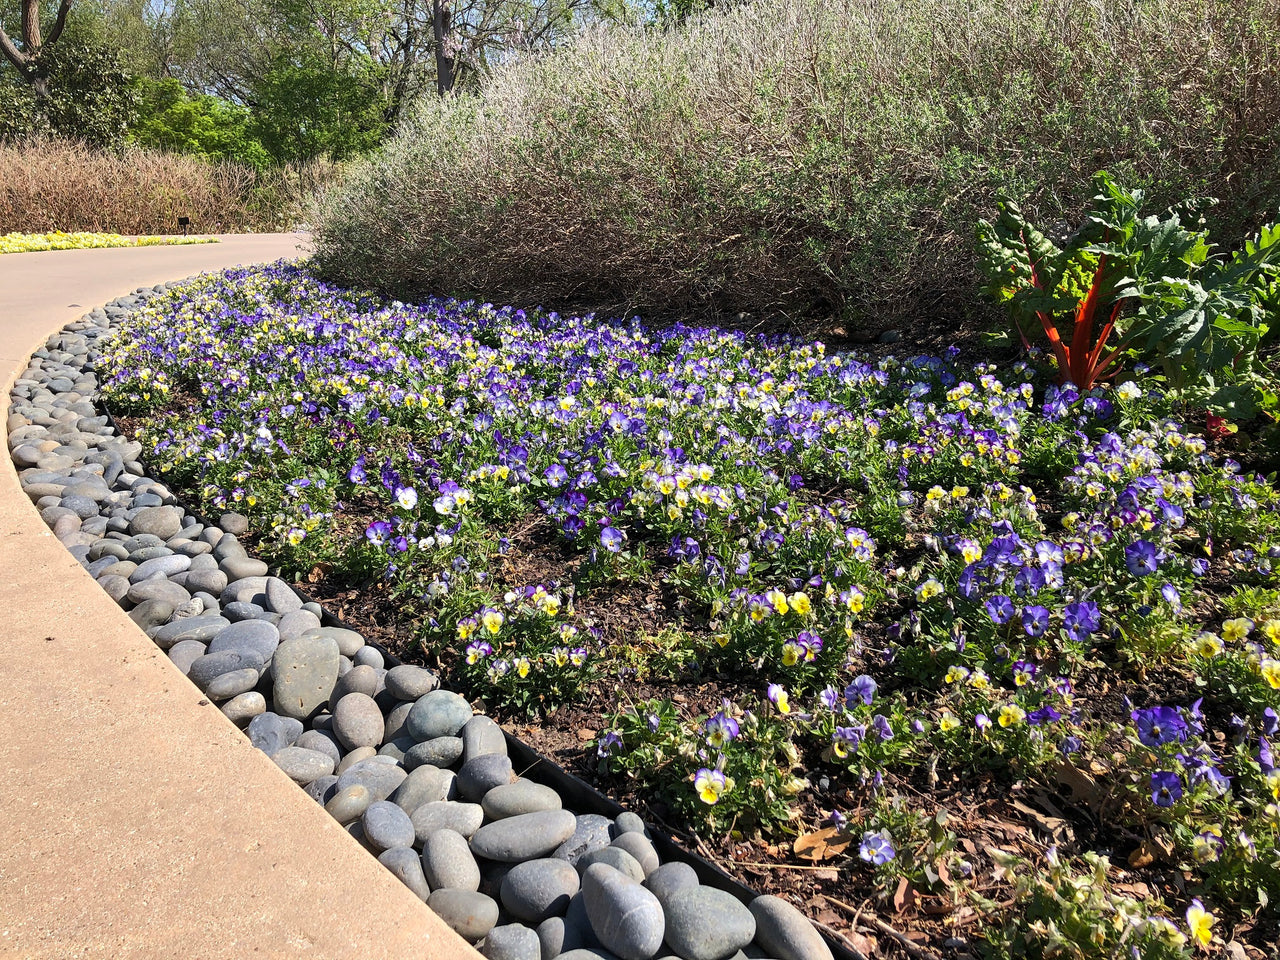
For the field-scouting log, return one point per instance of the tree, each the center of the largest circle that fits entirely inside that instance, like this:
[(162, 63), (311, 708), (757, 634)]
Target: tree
[(29, 59)]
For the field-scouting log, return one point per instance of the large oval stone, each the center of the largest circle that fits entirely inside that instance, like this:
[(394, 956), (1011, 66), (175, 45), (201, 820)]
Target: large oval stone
[(785, 932), (525, 837), (304, 671), (440, 713), (357, 721), (625, 916), (463, 818), (537, 889), (514, 799), (471, 915), (704, 923), (448, 862)]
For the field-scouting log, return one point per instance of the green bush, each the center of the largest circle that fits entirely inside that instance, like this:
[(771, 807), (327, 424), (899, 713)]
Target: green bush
[(811, 158), (174, 121)]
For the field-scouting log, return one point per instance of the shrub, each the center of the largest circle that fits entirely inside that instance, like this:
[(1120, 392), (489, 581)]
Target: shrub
[(810, 157), (52, 185)]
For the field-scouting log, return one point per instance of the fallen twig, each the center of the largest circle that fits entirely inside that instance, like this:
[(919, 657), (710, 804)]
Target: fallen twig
[(842, 938), (913, 949)]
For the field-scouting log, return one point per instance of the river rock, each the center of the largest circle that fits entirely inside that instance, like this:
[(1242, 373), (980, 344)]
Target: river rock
[(438, 752), (256, 635), (627, 918), (525, 837), (348, 640), (440, 713), (670, 879), (704, 923), (405, 864), (387, 826), (537, 889), (471, 915), (463, 818), (381, 778), (162, 522), (280, 596), (349, 805), (482, 736), (186, 652), (271, 733), (302, 765), (425, 784), (357, 721), (785, 932), (407, 682), (213, 665), (477, 777), (615, 857), (511, 942), (304, 671), (640, 848), (514, 799), (448, 862), (591, 832)]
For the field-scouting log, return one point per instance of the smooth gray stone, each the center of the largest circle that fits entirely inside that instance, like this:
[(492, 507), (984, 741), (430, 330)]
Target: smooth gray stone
[(440, 713), (242, 709), (572, 932), (162, 522), (670, 879), (239, 568), (356, 680), (236, 524), (121, 568), (396, 748), (271, 733), (161, 566), (525, 837), (245, 590), (381, 778), (304, 672), (368, 656), (202, 628), (628, 822), (591, 832), (477, 777), (206, 581), (448, 862), (438, 752), (588, 953), (463, 818), (537, 889), (625, 916), (387, 826), (143, 554), (357, 721), (640, 848), (323, 742), (229, 546), (186, 652), (237, 611), (192, 607), (158, 589), (280, 596), (151, 613), (704, 923), (96, 567), (512, 941), (117, 588), (297, 623), (405, 865), (349, 804), (785, 932), (108, 548), (407, 682), (348, 640), (231, 684), (189, 548), (481, 736), (353, 757), (614, 857), (471, 915), (213, 665), (395, 721), (425, 784), (322, 789), (256, 635), (82, 507), (302, 765), (522, 796)]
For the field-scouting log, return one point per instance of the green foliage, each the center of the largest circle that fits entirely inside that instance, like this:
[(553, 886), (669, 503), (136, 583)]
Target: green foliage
[(171, 119), (1199, 316), (91, 96)]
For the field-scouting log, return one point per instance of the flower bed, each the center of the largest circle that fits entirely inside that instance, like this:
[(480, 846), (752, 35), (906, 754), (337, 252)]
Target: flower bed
[(906, 635), (32, 242)]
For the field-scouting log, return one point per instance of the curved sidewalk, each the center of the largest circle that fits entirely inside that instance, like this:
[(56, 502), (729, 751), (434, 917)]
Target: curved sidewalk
[(136, 820)]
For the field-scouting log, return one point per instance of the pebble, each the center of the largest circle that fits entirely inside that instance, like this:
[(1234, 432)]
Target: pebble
[(231, 684), (482, 736), (387, 826), (525, 837), (369, 656), (511, 942), (271, 733), (477, 777), (348, 640), (356, 680), (256, 635), (357, 721), (628, 822), (212, 665), (448, 862), (297, 623), (324, 742), (202, 628), (357, 755), (670, 879), (537, 889), (280, 596), (614, 857), (405, 864), (640, 848), (349, 805), (425, 784), (150, 613), (381, 778), (438, 752), (704, 923), (322, 789), (784, 932), (302, 765), (407, 682), (463, 818), (440, 713), (625, 916), (471, 915), (522, 796), (304, 671), (162, 522), (590, 832), (186, 652)]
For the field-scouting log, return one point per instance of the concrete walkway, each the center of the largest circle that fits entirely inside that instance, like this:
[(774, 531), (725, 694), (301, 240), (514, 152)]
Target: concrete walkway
[(136, 820)]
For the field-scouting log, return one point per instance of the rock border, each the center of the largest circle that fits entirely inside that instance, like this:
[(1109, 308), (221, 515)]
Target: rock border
[(423, 782)]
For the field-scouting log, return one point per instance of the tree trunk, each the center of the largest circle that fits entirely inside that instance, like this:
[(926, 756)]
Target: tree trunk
[(442, 22)]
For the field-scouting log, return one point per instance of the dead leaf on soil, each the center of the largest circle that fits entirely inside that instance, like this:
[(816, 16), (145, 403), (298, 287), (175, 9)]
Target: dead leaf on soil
[(905, 897), (1056, 827), (1147, 853), (1084, 788), (829, 875), (823, 845), (585, 734)]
